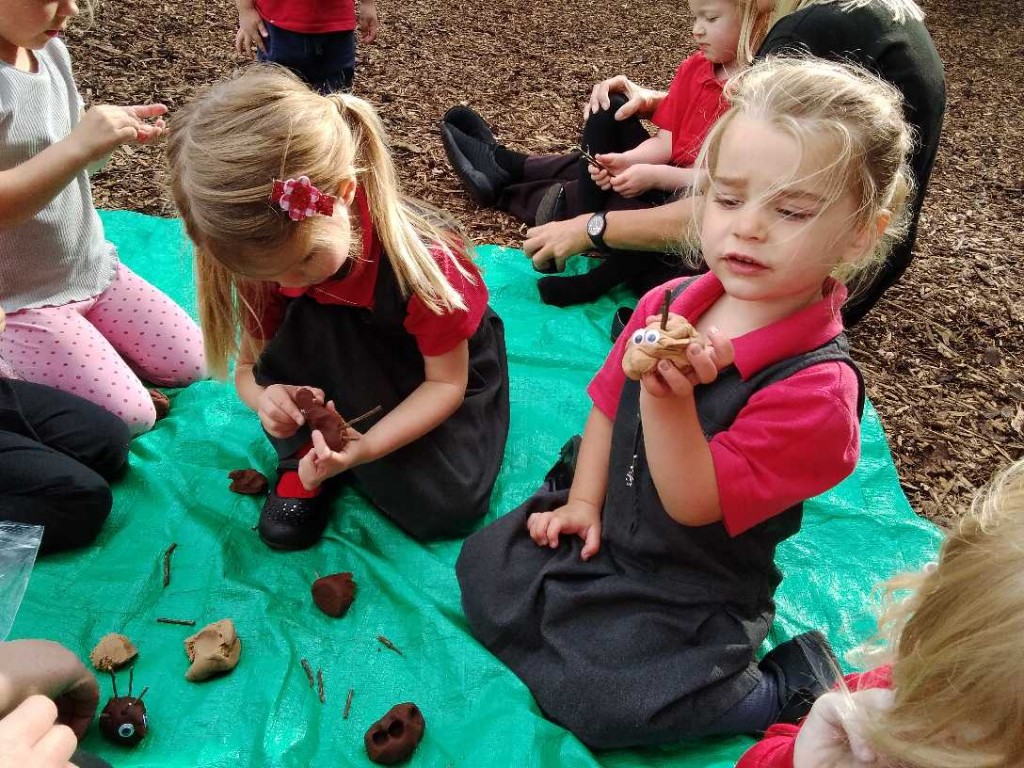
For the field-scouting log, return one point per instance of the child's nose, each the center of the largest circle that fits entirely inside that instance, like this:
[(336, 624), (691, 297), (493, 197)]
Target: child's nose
[(68, 8), (750, 223)]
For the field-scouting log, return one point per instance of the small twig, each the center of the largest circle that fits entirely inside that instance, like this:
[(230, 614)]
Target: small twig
[(366, 415), (664, 309), (113, 682), (320, 686), (388, 644), (181, 622), (309, 672), (167, 563), (348, 703)]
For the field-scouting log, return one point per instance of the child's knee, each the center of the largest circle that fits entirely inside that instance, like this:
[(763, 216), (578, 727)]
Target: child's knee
[(606, 117), (81, 512), (426, 522)]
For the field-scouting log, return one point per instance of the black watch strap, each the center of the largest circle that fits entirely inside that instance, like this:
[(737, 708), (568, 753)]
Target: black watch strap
[(596, 226)]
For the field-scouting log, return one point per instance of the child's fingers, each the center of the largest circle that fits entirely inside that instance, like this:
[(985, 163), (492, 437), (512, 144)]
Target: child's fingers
[(554, 529), (654, 384), (704, 367), (536, 524), (146, 111), (591, 542), (320, 447), (28, 721), (724, 353), (55, 747)]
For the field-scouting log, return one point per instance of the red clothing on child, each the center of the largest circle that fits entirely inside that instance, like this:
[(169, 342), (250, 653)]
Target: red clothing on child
[(793, 439), (435, 334), (309, 16), (693, 104), (775, 750)]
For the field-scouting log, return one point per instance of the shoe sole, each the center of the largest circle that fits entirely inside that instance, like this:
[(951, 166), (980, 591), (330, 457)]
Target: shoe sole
[(476, 184)]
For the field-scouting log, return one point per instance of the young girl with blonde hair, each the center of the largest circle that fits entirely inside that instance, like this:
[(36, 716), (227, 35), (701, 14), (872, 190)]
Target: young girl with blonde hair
[(952, 696), (315, 270), (77, 318), (632, 599)]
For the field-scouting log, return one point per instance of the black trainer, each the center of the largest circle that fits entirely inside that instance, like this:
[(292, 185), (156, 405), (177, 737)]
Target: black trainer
[(552, 205), (467, 120), (619, 321), (805, 668), (473, 162), (293, 524)]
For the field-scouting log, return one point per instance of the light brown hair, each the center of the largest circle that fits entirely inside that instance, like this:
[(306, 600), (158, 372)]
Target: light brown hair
[(958, 673), (225, 150)]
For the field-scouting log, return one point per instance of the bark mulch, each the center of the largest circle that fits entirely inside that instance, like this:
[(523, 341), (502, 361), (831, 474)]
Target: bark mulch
[(942, 354)]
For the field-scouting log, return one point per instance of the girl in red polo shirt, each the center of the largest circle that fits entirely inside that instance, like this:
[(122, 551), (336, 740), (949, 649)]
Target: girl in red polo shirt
[(339, 284), (954, 693), (315, 39), (633, 590)]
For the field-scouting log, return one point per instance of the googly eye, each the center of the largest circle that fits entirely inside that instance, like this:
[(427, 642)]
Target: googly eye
[(638, 337), (652, 337), (126, 730)]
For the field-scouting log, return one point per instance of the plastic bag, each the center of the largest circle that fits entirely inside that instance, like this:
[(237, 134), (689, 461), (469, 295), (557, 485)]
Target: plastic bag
[(19, 544)]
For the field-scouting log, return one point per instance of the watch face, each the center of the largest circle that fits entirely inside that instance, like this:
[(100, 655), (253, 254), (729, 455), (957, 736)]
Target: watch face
[(595, 225)]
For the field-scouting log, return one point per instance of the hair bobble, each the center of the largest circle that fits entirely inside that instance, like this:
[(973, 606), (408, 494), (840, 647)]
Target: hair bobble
[(300, 199)]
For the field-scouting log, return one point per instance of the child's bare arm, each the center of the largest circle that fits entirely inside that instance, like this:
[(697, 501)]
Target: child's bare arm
[(251, 29), (27, 188)]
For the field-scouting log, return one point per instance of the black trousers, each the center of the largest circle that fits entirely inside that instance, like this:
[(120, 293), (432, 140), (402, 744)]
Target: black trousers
[(58, 453)]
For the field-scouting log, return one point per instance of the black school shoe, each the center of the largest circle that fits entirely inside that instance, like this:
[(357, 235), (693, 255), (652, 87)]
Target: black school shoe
[(470, 123), (805, 668), (474, 163), (552, 205), (292, 524)]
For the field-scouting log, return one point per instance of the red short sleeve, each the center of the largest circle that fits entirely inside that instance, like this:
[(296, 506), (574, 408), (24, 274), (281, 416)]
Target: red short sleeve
[(437, 334), (793, 439), (693, 104)]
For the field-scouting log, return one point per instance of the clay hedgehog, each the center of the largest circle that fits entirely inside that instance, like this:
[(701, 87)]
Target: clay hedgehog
[(327, 420), (395, 736), (123, 719), (667, 337)]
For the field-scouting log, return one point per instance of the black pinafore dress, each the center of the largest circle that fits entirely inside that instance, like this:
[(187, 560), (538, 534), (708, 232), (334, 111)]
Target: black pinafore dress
[(438, 485), (654, 639)]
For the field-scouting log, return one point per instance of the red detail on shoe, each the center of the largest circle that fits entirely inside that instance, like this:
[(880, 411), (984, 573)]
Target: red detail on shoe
[(290, 487)]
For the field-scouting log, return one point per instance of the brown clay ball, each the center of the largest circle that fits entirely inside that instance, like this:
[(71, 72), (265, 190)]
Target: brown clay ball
[(161, 403), (247, 481), (334, 594), (318, 416), (123, 721), (395, 736)]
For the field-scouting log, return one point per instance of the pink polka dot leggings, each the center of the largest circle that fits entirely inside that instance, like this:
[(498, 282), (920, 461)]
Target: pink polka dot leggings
[(98, 348)]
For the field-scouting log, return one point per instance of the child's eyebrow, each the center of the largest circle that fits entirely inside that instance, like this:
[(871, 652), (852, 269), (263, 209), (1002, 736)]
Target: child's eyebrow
[(800, 194)]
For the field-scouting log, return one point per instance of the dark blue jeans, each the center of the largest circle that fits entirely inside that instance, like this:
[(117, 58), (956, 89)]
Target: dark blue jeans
[(326, 61)]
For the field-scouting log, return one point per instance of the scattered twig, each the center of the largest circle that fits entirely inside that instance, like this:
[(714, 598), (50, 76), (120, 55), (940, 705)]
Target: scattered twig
[(320, 686), (348, 703), (309, 672), (388, 644), (167, 563), (664, 309), (181, 622)]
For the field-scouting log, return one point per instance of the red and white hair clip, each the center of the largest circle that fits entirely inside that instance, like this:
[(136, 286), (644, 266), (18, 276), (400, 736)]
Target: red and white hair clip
[(300, 199)]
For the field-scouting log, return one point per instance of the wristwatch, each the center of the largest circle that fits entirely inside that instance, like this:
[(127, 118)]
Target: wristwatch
[(596, 226)]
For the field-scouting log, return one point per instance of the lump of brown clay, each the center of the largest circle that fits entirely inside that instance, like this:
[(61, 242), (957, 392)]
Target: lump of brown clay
[(247, 481), (112, 652), (320, 417), (161, 402), (123, 721), (664, 338), (334, 594), (212, 650), (395, 736)]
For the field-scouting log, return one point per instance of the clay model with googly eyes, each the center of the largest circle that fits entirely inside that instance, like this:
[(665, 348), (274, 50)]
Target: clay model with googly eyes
[(123, 720), (665, 338)]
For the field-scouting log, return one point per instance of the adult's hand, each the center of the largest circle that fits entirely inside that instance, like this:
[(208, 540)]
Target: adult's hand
[(640, 101), (29, 667), (556, 241), (29, 738)]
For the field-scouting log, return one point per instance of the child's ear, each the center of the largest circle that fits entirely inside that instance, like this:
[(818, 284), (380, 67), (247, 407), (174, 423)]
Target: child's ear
[(868, 236), (347, 192)]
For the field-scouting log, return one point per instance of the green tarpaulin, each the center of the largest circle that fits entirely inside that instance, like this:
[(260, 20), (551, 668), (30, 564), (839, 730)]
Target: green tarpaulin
[(478, 714)]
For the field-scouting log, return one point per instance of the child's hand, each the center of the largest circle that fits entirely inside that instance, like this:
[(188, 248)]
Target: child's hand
[(666, 380), (577, 517), (633, 181), (104, 128), (831, 737), (322, 463), (278, 413), (368, 23), (614, 163), (640, 101), (251, 33), (29, 738), (3, 320)]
